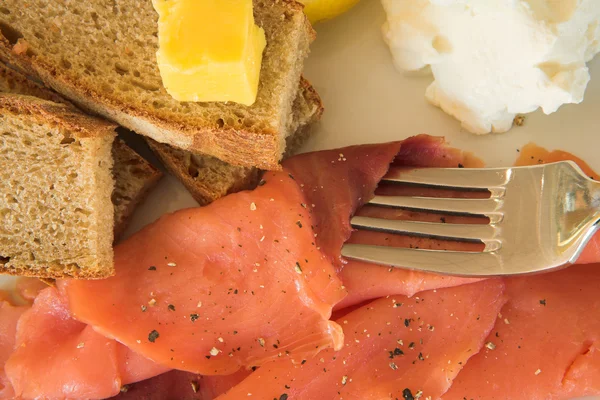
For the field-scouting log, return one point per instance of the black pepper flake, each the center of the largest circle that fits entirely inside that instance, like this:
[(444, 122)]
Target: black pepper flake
[(292, 176), (284, 396), (411, 345), (299, 224), (407, 394), (303, 362), (460, 165), (407, 322), (235, 291), (171, 307), (287, 386), (543, 302), (194, 317), (421, 357), (443, 220), (235, 332), (152, 268), (396, 352), (152, 336)]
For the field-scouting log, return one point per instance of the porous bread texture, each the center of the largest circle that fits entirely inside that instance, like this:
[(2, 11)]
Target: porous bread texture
[(134, 176), (208, 178), (101, 54), (12, 81), (56, 216)]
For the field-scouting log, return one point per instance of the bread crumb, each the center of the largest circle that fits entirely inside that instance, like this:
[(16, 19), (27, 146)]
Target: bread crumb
[(490, 345), (21, 47), (252, 206), (519, 120)]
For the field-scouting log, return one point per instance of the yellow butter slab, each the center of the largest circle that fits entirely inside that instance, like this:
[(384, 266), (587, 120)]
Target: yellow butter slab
[(209, 50)]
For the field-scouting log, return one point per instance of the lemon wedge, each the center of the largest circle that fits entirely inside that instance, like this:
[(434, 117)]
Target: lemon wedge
[(319, 10)]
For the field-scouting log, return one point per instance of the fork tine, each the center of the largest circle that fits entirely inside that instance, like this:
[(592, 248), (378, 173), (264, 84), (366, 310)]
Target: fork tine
[(469, 232), (487, 207), (486, 264), (464, 178)]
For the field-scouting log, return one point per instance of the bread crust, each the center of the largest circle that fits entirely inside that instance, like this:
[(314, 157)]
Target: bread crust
[(83, 126), (124, 157)]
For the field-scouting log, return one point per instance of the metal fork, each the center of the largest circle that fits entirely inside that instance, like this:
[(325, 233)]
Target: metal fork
[(540, 218)]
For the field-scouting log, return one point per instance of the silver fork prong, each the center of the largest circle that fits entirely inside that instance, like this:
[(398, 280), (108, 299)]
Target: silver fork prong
[(466, 232), (486, 207), (464, 178), (485, 264)]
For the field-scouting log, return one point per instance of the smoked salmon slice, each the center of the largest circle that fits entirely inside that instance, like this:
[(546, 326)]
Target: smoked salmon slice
[(9, 316), (337, 183), (180, 385), (396, 348), (545, 344), (213, 289), (59, 358)]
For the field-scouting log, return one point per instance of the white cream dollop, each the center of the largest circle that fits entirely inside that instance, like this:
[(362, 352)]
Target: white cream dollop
[(494, 59)]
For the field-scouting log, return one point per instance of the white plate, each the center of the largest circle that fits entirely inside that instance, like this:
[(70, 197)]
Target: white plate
[(367, 100)]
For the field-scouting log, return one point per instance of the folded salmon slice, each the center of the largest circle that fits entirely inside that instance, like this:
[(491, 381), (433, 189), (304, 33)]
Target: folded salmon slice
[(209, 290), (546, 342), (396, 347), (58, 357), (338, 183)]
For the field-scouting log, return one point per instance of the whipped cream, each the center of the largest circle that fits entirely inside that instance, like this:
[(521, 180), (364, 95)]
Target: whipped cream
[(494, 59)]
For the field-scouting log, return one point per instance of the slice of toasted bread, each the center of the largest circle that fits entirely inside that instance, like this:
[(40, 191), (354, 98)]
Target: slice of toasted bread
[(134, 176), (102, 56), (208, 178), (134, 179), (56, 214)]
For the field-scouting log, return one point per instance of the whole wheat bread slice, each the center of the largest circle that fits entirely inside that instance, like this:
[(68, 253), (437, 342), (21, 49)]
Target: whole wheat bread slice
[(208, 178), (101, 54), (134, 179), (134, 176), (56, 214)]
